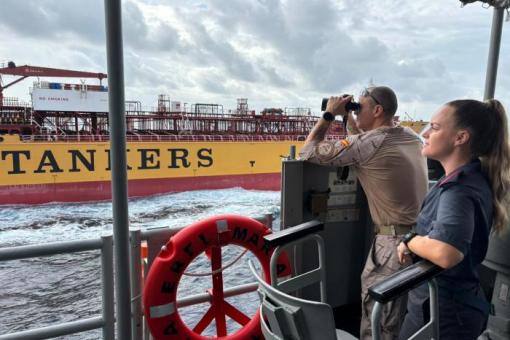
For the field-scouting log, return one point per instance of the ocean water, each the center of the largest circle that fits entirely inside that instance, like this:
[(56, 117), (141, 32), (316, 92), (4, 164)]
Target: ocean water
[(42, 291)]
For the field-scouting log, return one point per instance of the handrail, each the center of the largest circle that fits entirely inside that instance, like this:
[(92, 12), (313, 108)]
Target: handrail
[(403, 281), (106, 320), (291, 234), (57, 330), (400, 283), (48, 249), (168, 138), (291, 237)]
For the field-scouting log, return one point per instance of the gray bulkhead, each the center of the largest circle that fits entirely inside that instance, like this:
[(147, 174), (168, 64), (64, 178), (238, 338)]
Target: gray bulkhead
[(335, 197)]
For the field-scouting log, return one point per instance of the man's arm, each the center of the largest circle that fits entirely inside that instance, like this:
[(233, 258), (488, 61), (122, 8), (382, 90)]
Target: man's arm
[(355, 149), (336, 106), (318, 132)]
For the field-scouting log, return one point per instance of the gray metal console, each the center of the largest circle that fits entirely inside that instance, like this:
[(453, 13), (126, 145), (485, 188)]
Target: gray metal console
[(333, 197)]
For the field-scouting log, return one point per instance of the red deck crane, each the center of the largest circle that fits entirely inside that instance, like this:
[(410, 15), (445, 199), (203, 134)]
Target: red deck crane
[(26, 71)]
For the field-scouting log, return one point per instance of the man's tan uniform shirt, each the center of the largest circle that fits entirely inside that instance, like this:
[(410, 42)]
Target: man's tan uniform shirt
[(390, 168)]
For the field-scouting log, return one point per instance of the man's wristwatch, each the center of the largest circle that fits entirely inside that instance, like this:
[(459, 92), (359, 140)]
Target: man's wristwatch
[(408, 237), (328, 116)]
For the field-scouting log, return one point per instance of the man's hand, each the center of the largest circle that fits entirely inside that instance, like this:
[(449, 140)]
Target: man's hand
[(352, 125), (404, 254), (336, 105)]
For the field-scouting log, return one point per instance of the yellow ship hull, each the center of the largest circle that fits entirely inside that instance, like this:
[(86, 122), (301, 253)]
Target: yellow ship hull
[(52, 171)]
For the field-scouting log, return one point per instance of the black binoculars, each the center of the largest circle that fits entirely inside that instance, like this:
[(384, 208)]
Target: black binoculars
[(350, 106)]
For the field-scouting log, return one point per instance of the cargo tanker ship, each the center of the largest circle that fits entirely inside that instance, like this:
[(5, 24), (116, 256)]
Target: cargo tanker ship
[(56, 148)]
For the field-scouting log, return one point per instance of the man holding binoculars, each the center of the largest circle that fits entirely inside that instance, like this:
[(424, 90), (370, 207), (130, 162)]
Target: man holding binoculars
[(393, 174)]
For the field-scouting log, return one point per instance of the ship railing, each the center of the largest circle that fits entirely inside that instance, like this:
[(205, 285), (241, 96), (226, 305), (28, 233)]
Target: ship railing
[(154, 239), (167, 138), (13, 111), (104, 321)]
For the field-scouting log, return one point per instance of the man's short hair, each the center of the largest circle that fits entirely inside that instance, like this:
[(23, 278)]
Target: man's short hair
[(385, 97)]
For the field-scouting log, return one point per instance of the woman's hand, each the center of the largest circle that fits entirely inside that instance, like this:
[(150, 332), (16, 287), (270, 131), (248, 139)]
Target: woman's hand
[(403, 253)]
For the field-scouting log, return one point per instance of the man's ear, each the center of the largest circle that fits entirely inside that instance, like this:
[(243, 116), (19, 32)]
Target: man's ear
[(462, 137), (378, 111)]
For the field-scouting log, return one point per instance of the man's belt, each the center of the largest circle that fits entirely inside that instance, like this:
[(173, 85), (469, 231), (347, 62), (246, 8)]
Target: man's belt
[(393, 229)]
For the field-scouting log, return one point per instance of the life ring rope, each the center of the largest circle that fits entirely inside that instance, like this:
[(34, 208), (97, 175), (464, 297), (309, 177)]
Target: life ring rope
[(217, 270)]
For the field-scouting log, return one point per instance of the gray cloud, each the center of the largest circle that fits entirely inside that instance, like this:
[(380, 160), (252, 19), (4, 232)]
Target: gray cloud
[(221, 53), (52, 19), (213, 84), (140, 37), (298, 50), (273, 77), (134, 28)]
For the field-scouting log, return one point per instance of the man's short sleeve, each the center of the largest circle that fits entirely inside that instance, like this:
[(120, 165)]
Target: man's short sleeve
[(455, 219), (354, 150)]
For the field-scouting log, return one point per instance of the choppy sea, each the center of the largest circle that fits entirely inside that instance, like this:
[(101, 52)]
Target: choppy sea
[(42, 291)]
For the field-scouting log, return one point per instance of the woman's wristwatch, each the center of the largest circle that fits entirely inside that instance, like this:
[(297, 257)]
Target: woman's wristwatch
[(408, 237)]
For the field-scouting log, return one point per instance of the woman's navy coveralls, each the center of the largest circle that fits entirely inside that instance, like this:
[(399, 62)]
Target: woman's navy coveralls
[(458, 211)]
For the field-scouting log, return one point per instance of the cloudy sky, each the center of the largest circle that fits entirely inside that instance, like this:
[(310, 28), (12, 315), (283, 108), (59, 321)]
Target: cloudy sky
[(276, 53)]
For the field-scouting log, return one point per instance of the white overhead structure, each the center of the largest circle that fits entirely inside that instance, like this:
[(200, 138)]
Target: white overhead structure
[(494, 3)]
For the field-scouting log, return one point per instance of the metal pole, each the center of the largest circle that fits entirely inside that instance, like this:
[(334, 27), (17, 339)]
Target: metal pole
[(434, 307), (136, 283), (376, 321), (48, 249), (292, 154), (206, 297), (55, 331), (492, 64), (117, 123), (107, 286)]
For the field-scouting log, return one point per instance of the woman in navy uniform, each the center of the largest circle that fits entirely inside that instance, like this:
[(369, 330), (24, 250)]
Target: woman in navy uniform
[(470, 140)]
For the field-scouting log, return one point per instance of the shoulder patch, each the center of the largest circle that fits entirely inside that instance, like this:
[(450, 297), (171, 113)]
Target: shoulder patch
[(325, 150), (332, 151), (345, 143)]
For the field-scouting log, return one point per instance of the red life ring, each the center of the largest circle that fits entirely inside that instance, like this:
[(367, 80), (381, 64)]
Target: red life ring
[(160, 290)]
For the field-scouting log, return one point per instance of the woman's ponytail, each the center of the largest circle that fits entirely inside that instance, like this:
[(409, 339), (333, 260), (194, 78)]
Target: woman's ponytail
[(488, 125), (496, 163)]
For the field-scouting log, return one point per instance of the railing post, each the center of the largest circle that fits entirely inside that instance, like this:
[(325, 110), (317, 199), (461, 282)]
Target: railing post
[(136, 291), (434, 308), (107, 286), (492, 63), (376, 321), (117, 121), (268, 221), (292, 154)]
